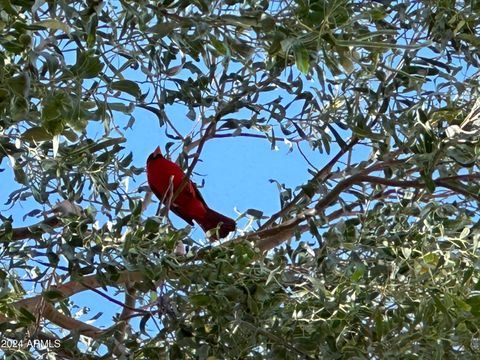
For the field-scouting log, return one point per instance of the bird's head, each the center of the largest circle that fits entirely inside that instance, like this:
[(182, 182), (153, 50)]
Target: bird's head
[(155, 155)]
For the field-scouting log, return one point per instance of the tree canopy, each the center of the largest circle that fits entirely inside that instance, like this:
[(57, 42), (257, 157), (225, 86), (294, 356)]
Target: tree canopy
[(375, 256)]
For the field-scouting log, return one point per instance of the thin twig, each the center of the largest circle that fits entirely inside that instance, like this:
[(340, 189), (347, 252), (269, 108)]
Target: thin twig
[(115, 301)]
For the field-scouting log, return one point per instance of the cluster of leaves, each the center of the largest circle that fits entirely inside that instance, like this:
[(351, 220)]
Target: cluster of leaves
[(392, 269)]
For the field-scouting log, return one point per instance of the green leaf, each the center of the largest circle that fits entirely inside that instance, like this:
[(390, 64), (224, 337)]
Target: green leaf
[(439, 305), (20, 84), (422, 117), (26, 316), (20, 175), (6, 6), (88, 65), (358, 274), (14, 46), (474, 302), (309, 189), (257, 214), (37, 134), (337, 136), (53, 24), (267, 22), (56, 109), (70, 135), (302, 59), (218, 45), (462, 304), (92, 30), (53, 295), (191, 114), (200, 300), (127, 86), (233, 293), (6, 232), (241, 21), (127, 160), (378, 13), (429, 183), (470, 38), (163, 29), (366, 133), (126, 109), (143, 323), (19, 108)]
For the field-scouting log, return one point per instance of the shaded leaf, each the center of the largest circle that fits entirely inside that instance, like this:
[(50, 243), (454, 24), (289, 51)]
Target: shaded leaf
[(127, 86)]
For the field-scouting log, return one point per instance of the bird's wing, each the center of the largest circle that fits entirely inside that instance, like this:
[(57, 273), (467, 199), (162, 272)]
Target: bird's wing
[(174, 208), (196, 193), (192, 192)]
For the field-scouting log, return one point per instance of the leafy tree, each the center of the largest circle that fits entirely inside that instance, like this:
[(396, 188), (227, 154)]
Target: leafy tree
[(376, 256)]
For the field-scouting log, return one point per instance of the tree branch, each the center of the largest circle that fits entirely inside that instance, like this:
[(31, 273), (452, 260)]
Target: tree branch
[(125, 306), (279, 341), (62, 351), (269, 238), (66, 322), (26, 232), (258, 136), (72, 288), (126, 315), (322, 174), (62, 208)]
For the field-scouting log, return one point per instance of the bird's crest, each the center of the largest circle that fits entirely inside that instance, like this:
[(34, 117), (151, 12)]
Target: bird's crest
[(155, 155)]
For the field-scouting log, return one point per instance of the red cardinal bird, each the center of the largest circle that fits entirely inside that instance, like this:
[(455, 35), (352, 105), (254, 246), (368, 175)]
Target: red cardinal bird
[(165, 177)]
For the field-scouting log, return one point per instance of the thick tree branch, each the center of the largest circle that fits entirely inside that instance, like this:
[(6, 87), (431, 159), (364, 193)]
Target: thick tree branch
[(62, 208), (269, 238), (38, 305), (68, 323), (27, 232), (72, 288), (126, 315)]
